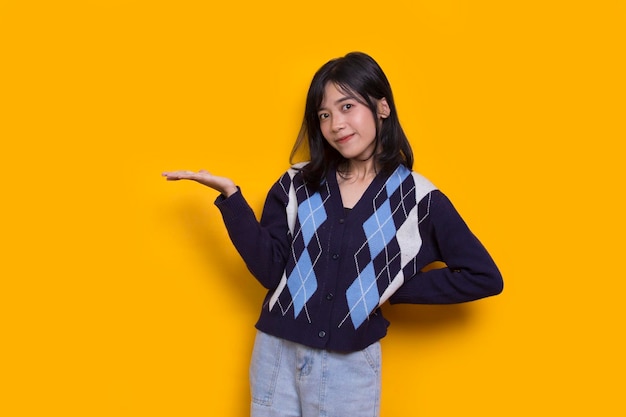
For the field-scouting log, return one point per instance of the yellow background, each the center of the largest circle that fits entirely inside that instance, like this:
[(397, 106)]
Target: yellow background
[(120, 293)]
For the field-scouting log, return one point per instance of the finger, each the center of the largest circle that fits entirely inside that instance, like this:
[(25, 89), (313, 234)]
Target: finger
[(183, 172), (177, 175)]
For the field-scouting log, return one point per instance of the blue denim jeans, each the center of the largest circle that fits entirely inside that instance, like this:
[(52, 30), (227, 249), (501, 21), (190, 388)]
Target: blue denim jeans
[(291, 380)]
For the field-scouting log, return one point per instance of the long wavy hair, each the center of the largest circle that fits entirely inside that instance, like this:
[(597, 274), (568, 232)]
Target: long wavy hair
[(359, 75)]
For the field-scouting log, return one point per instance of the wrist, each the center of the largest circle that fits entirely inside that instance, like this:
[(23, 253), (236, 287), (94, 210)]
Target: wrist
[(228, 191)]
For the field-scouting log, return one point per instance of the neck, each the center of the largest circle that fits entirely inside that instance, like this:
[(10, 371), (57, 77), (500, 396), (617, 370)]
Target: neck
[(356, 170)]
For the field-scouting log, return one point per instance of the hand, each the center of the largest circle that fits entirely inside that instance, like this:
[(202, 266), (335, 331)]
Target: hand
[(222, 184)]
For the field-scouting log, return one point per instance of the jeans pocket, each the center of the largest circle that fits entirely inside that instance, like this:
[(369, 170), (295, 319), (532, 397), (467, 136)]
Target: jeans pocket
[(372, 355), (264, 368)]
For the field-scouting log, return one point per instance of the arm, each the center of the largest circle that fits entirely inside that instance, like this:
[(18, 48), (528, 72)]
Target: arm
[(263, 246), (469, 272)]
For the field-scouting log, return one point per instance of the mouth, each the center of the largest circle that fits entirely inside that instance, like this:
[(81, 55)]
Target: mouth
[(344, 139)]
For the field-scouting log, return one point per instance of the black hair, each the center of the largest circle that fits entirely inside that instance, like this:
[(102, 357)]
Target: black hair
[(358, 75)]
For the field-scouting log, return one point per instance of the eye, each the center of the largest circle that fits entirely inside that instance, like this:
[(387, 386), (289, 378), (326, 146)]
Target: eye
[(323, 116), (347, 106)]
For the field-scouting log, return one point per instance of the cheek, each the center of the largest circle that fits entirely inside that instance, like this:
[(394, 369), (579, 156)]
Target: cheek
[(325, 130), (370, 122), (365, 120)]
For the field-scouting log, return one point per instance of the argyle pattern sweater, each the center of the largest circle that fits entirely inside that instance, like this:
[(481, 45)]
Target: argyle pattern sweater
[(328, 270)]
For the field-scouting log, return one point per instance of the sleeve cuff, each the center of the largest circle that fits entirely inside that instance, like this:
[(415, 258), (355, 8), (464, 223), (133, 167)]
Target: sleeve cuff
[(233, 206)]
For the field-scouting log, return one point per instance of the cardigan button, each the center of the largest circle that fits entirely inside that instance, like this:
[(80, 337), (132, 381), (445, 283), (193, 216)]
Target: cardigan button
[(322, 334), (330, 296), (341, 221), (335, 256)]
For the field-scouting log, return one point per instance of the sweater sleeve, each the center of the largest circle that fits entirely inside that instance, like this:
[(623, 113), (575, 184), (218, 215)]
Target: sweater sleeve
[(470, 272), (262, 245)]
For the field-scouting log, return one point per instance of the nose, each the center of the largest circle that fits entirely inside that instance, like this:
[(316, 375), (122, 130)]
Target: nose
[(337, 123)]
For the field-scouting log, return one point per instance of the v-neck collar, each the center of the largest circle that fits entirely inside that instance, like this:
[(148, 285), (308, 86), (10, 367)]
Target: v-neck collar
[(367, 196)]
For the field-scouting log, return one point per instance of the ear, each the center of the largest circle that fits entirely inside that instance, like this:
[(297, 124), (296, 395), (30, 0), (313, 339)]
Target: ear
[(383, 108)]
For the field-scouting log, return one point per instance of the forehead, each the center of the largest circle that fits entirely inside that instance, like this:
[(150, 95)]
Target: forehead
[(334, 94)]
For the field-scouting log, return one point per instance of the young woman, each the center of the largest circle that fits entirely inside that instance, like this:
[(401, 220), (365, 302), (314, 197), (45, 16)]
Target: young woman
[(338, 237)]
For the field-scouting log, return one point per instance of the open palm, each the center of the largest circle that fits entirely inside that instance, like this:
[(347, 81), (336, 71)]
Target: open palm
[(224, 185)]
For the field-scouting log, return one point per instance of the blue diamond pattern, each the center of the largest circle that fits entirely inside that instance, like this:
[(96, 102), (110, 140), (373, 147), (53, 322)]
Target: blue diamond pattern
[(302, 282), (396, 179), (311, 214), (363, 296), (379, 229)]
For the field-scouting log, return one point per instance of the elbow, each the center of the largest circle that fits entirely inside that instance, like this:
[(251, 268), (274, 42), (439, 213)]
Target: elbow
[(495, 284), (500, 285), (486, 284), (269, 281)]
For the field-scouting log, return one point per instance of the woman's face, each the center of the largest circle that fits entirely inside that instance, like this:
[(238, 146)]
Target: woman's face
[(349, 125)]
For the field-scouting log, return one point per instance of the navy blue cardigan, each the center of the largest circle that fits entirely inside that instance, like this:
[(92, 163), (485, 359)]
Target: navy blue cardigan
[(328, 269)]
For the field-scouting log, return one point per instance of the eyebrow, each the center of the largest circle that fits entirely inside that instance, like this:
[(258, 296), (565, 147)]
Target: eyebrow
[(344, 98), (341, 100)]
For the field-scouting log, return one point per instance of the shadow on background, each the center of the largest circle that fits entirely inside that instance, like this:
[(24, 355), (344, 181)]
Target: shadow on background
[(427, 318), (205, 229)]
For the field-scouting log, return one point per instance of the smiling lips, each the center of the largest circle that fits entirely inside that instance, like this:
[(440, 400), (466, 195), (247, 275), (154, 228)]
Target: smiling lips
[(344, 139)]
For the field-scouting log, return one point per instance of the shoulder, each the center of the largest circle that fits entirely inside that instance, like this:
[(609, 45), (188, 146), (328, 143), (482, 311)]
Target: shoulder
[(421, 185), (432, 201), (296, 169), (285, 184)]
